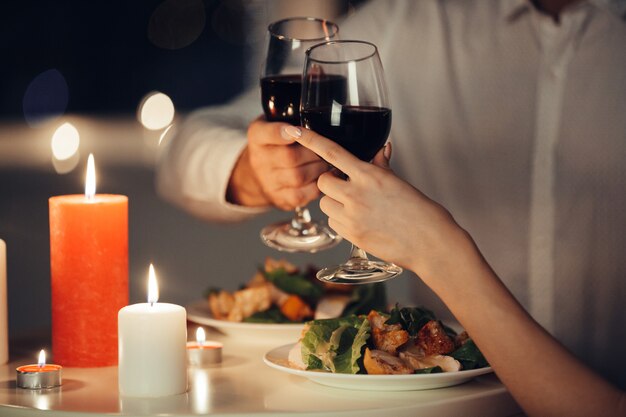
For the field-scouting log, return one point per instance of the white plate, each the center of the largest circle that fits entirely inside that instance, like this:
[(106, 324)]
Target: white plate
[(199, 312), (277, 359)]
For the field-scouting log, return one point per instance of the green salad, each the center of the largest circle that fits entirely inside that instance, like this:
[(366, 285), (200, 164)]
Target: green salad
[(280, 292), (406, 340)]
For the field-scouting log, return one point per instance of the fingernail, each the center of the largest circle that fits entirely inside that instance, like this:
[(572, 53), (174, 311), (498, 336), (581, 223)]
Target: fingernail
[(387, 151), (291, 133)]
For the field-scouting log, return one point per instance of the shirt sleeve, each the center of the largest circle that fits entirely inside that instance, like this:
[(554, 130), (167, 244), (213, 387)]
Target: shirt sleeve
[(195, 164)]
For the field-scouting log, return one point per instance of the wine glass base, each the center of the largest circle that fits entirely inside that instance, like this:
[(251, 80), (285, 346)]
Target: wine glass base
[(284, 237), (361, 273)]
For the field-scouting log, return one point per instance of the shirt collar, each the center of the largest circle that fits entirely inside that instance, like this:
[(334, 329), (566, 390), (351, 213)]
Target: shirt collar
[(512, 9)]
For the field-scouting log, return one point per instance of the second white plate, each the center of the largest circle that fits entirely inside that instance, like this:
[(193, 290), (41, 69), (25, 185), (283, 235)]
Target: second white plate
[(199, 312)]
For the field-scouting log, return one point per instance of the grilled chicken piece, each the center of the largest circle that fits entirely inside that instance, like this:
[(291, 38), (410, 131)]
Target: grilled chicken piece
[(220, 304), (273, 264), (415, 361), (460, 339), (378, 362), (331, 306), (386, 337), (433, 340), (257, 280), (249, 301), (295, 357)]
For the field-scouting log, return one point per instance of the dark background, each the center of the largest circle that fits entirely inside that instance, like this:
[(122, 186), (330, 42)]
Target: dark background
[(111, 53)]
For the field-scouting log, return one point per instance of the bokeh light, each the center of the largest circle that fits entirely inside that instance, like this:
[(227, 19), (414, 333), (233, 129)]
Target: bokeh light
[(164, 134), (175, 24), (45, 98), (65, 142), (156, 111)]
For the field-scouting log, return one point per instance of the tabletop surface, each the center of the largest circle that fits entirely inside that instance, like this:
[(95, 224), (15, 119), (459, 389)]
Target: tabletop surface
[(243, 385)]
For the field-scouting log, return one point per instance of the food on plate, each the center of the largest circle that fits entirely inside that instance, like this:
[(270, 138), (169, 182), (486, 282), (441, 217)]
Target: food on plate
[(280, 292), (408, 340)]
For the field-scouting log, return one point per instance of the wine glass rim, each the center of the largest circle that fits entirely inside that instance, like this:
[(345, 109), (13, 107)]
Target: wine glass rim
[(272, 26), (323, 61)]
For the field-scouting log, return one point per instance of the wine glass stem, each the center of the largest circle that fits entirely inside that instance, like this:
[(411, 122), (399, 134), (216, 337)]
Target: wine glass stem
[(302, 219), (358, 258)]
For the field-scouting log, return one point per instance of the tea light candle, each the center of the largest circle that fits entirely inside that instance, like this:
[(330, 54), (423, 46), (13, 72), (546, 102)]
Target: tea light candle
[(89, 274), (39, 376), (201, 352), (152, 347)]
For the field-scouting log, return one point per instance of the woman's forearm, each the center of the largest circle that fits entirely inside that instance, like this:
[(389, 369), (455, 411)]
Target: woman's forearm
[(540, 373)]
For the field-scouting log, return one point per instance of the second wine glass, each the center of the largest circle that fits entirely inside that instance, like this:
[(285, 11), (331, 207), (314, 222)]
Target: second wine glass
[(281, 81), (352, 110)]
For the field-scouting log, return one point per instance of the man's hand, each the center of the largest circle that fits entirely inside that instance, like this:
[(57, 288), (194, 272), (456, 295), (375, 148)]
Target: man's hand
[(274, 170)]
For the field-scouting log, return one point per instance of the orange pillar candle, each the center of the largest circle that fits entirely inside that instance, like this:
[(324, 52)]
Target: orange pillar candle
[(89, 274)]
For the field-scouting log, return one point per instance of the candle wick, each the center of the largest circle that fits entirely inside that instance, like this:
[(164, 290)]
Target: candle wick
[(151, 303)]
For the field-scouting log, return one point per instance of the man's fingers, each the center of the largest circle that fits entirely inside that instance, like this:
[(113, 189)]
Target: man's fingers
[(262, 132), (291, 156), (299, 176), (325, 148), (383, 156), (290, 198)]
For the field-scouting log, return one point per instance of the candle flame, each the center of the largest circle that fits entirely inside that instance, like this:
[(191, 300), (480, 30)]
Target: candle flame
[(90, 181), (200, 336), (153, 287), (42, 359)]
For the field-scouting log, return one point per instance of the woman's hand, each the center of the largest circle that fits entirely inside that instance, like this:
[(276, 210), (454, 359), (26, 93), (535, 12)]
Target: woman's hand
[(379, 212)]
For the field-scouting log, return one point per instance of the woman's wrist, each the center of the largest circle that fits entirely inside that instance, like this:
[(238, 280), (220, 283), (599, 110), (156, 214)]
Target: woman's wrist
[(445, 264)]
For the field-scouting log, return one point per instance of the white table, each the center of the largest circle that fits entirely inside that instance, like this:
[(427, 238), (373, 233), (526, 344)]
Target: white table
[(244, 385)]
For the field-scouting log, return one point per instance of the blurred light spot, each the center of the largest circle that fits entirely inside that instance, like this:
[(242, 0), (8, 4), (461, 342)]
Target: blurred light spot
[(175, 24), (45, 98), (156, 111), (65, 141), (165, 133), (201, 391), (66, 165), (42, 402)]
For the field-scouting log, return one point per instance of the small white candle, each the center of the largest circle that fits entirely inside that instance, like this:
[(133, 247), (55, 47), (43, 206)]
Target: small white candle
[(4, 333), (203, 352), (152, 347)]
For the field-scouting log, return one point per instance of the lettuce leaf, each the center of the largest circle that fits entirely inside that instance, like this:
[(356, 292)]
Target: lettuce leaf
[(335, 345), (273, 315), (366, 298), (470, 356), (412, 319), (294, 284)]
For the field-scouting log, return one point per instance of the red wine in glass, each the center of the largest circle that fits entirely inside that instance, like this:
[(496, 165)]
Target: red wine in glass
[(362, 130), (281, 83), (280, 95), (357, 117)]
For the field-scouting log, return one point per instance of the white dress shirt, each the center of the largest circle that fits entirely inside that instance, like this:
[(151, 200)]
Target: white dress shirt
[(514, 122)]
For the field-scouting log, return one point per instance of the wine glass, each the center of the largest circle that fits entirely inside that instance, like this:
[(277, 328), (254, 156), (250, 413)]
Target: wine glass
[(344, 98), (281, 82)]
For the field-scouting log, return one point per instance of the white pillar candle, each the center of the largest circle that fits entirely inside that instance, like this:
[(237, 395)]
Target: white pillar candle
[(4, 325), (152, 347)]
